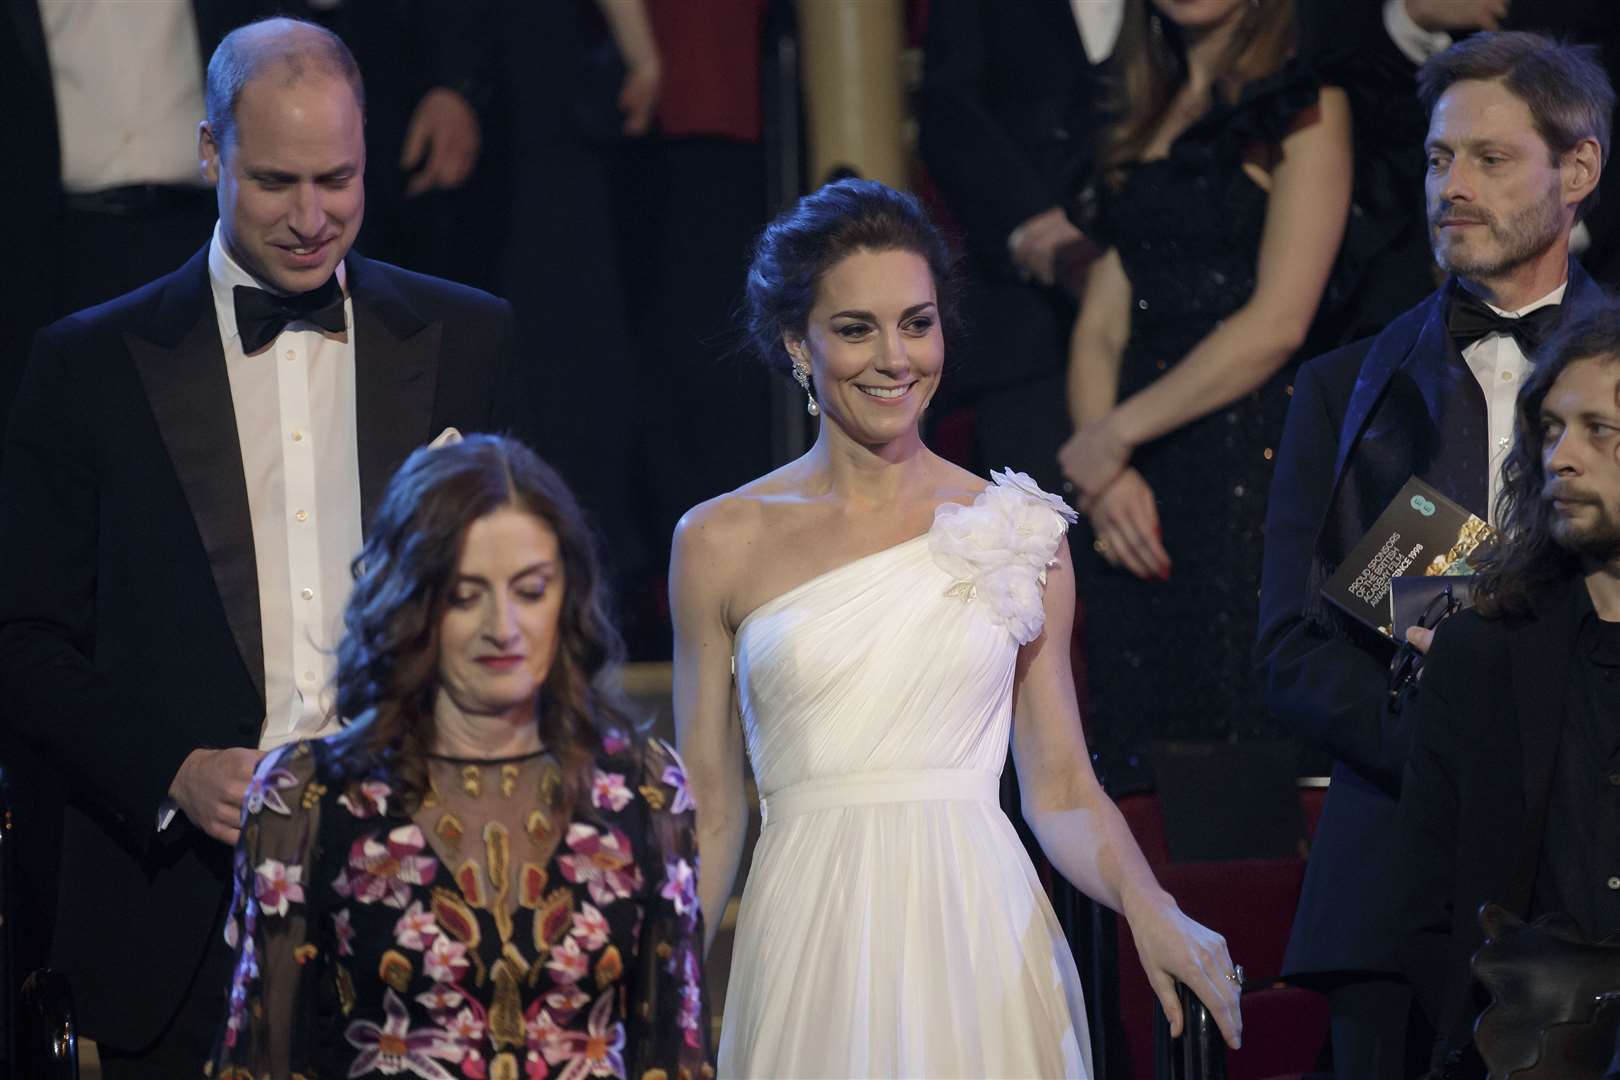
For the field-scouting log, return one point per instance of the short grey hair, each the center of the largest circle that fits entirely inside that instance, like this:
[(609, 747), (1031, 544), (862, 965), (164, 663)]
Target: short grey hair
[(1563, 84), (298, 47)]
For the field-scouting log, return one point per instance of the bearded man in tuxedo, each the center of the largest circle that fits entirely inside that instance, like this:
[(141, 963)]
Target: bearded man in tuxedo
[(187, 475), (1519, 129)]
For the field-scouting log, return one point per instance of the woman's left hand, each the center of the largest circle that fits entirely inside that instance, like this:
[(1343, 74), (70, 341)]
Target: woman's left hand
[(1174, 948), (1093, 457)]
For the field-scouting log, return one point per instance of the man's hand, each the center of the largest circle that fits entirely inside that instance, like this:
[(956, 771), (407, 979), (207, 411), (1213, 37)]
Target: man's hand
[(1420, 638), (209, 788), (1450, 15), (638, 96), (443, 139), (1034, 245)]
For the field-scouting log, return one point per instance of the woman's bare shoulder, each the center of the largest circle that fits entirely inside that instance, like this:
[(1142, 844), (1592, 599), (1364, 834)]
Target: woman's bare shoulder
[(726, 526)]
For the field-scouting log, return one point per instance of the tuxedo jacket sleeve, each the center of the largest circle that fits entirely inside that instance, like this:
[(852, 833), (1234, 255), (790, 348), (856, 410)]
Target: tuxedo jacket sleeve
[(1330, 689), (63, 583), (1003, 111)]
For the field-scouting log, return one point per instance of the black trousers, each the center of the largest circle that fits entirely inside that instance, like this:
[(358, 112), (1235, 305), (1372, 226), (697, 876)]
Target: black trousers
[(1378, 1031)]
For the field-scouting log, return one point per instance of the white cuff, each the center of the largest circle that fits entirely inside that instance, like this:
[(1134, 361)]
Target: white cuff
[(1415, 43), (166, 811)]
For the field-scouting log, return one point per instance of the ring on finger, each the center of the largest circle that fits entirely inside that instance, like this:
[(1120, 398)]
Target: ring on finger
[(1236, 975), (1101, 547)]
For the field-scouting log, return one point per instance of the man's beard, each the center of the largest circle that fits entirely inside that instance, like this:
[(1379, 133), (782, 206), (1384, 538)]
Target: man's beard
[(1524, 236), (1597, 539)]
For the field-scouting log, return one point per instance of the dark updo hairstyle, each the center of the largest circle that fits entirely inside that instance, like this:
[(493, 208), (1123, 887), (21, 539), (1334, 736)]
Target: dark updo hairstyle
[(388, 662), (802, 244)]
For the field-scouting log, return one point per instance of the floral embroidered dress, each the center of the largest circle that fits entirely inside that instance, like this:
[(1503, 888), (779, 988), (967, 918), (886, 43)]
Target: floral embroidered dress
[(480, 936), (892, 924)]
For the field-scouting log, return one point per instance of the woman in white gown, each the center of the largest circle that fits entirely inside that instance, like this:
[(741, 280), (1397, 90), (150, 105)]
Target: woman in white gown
[(877, 624)]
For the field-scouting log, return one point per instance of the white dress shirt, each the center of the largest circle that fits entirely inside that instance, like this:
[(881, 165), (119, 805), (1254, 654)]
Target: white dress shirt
[(295, 420), (1099, 22), (1500, 366), (129, 91)]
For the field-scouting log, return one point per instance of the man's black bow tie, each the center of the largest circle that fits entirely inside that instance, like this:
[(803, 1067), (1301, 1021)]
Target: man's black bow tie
[(1471, 318), (261, 315)]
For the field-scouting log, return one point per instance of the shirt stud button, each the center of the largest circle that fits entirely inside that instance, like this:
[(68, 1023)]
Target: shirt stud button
[(1614, 883), (291, 355), (1614, 779), (297, 435), (307, 594), (302, 515)]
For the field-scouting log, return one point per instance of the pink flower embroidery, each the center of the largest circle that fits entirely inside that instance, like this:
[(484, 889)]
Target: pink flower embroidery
[(415, 927), (445, 960), (675, 777), (386, 872), (601, 861), (344, 932), (570, 964), (466, 1026), (567, 1000), (275, 884), (394, 1048), (690, 1015), (443, 998), (265, 789), (367, 799), (608, 791), (680, 888), (590, 926), (596, 1051)]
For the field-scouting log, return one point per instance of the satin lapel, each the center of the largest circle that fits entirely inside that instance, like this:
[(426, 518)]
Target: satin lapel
[(183, 371), (1390, 351), (396, 373)]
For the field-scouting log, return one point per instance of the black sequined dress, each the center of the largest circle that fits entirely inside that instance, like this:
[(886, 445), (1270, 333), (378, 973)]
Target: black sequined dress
[(1172, 660)]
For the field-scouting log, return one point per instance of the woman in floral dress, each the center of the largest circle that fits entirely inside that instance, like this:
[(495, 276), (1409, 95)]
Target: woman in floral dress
[(486, 874)]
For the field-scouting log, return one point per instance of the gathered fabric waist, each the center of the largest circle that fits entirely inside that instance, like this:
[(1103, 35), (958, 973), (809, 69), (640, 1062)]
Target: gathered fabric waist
[(867, 788)]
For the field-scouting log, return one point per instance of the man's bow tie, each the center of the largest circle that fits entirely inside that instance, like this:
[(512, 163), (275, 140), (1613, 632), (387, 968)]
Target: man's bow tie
[(261, 315), (1470, 319)]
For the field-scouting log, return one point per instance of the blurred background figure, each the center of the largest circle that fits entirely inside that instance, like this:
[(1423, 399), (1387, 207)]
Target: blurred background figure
[(1224, 192)]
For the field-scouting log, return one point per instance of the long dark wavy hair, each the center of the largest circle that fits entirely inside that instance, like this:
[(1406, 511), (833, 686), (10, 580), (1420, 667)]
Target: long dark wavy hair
[(1152, 65), (1528, 559), (388, 661)]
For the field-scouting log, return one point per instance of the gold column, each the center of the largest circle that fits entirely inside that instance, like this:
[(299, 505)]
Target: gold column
[(854, 87)]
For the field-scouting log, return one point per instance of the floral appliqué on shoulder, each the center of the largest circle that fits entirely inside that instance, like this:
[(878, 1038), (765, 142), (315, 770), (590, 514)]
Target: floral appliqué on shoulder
[(997, 551)]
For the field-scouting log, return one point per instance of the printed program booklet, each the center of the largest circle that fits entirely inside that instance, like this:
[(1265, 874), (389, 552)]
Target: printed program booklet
[(1421, 533)]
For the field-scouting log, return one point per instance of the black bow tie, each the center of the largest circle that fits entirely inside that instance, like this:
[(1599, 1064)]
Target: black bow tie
[(1471, 318), (261, 315)]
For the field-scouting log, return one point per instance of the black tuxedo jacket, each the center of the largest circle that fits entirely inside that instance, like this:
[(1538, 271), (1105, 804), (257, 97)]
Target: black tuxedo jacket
[(1007, 113), (1486, 732), (1363, 419), (129, 608)]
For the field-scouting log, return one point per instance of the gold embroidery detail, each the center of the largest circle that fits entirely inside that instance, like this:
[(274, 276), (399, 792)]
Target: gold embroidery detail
[(470, 876), (345, 990), (653, 795), (505, 1008), (455, 917), (509, 775), (450, 829), (469, 780), (504, 1067), (305, 953), (551, 922), (609, 967), (664, 951), (655, 1074), (550, 784), (531, 885), (395, 970), (312, 795), (539, 827), (430, 798)]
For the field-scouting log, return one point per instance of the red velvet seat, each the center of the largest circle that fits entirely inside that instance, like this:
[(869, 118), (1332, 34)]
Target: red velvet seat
[(1251, 902)]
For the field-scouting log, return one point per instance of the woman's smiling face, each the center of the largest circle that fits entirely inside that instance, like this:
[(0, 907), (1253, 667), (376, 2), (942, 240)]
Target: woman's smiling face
[(873, 343)]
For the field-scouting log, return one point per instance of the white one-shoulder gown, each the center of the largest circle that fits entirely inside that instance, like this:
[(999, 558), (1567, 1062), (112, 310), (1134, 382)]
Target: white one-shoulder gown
[(892, 924)]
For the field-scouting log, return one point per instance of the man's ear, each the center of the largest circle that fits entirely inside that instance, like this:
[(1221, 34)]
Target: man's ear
[(208, 153), (1581, 166)]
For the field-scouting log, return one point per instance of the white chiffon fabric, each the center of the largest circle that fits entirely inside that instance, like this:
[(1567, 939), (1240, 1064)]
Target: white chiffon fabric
[(892, 924)]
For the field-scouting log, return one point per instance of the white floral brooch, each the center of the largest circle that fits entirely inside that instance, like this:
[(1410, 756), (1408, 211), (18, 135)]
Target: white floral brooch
[(997, 551)]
